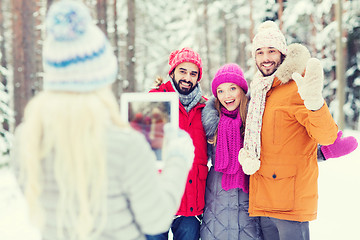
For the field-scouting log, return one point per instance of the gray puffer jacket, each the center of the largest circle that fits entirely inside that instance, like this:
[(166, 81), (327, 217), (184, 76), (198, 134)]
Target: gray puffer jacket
[(226, 212)]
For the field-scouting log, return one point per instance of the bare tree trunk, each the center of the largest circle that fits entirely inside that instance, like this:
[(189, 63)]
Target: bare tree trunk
[(116, 36), (223, 37), (280, 12), (3, 60), (130, 39), (48, 3), (340, 76), (228, 32), (116, 87), (101, 15), (2, 44), (38, 35), (24, 54), (122, 53), (241, 54), (207, 44), (312, 42), (252, 25)]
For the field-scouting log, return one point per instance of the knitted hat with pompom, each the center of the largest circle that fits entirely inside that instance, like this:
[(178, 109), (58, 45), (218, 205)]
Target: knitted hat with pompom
[(185, 55), (229, 73), (269, 35), (77, 57)]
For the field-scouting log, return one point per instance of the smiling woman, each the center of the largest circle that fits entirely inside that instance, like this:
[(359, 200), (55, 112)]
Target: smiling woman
[(227, 187), (229, 95)]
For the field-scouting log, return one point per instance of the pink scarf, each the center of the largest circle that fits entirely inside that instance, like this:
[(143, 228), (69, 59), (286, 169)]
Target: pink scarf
[(229, 143)]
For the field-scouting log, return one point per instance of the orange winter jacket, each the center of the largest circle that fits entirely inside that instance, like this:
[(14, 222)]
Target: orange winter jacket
[(285, 187)]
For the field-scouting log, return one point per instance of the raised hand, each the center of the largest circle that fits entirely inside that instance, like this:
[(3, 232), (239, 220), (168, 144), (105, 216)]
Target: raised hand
[(311, 85)]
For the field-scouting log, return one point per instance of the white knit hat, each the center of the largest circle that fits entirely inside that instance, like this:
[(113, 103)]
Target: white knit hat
[(77, 56), (269, 35)]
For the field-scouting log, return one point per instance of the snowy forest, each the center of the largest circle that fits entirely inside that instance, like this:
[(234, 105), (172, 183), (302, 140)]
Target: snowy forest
[(145, 32)]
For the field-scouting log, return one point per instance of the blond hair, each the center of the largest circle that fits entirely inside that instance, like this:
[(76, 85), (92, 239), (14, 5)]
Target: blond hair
[(242, 111), (69, 128)]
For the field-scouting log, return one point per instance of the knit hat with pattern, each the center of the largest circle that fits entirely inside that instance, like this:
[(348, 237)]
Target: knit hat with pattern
[(269, 35), (185, 55), (229, 73), (77, 56)]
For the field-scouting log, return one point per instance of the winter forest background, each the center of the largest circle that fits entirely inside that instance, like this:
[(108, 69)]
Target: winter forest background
[(144, 32)]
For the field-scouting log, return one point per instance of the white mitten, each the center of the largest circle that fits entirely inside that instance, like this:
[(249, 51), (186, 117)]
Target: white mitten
[(311, 85), (249, 164), (178, 143)]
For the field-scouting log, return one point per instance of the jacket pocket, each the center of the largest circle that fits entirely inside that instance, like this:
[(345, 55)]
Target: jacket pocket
[(275, 187), (201, 184)]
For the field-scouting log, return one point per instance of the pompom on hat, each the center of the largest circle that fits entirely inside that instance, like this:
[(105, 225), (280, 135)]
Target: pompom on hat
[(77, 56), (269, 35), (229, 73), (185, 55)]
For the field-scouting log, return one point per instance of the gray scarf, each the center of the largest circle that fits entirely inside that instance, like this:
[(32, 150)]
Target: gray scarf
[(189, 101)]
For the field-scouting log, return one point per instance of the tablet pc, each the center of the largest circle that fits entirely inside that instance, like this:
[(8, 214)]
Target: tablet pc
[(148, 113)]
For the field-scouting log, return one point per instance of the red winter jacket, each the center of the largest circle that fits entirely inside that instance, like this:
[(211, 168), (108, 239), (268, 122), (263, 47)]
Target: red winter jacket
[(193, 200)]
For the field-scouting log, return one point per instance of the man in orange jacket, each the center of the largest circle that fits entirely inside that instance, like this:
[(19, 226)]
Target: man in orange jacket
[(287, 118)]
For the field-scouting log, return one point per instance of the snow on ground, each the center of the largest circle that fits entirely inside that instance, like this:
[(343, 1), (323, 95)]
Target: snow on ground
[(339, 197), (14, 221), (338, 212)]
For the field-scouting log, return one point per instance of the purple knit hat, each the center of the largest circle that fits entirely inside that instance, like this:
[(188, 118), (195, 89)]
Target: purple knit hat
[(229, 73)]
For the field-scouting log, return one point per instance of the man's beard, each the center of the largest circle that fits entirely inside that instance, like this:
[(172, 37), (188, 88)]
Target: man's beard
[(269, 73), (266, 74), (182, 90)]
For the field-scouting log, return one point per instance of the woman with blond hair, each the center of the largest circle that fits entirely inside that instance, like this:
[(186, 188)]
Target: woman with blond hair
[(227, 186), (85, 173)]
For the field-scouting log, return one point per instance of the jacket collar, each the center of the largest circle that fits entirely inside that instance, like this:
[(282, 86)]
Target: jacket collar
[(295, 61), (167, 87)]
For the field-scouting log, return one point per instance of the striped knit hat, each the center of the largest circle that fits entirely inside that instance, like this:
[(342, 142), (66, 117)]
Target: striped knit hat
[(185, 55), (269, 35), (77, 56)]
